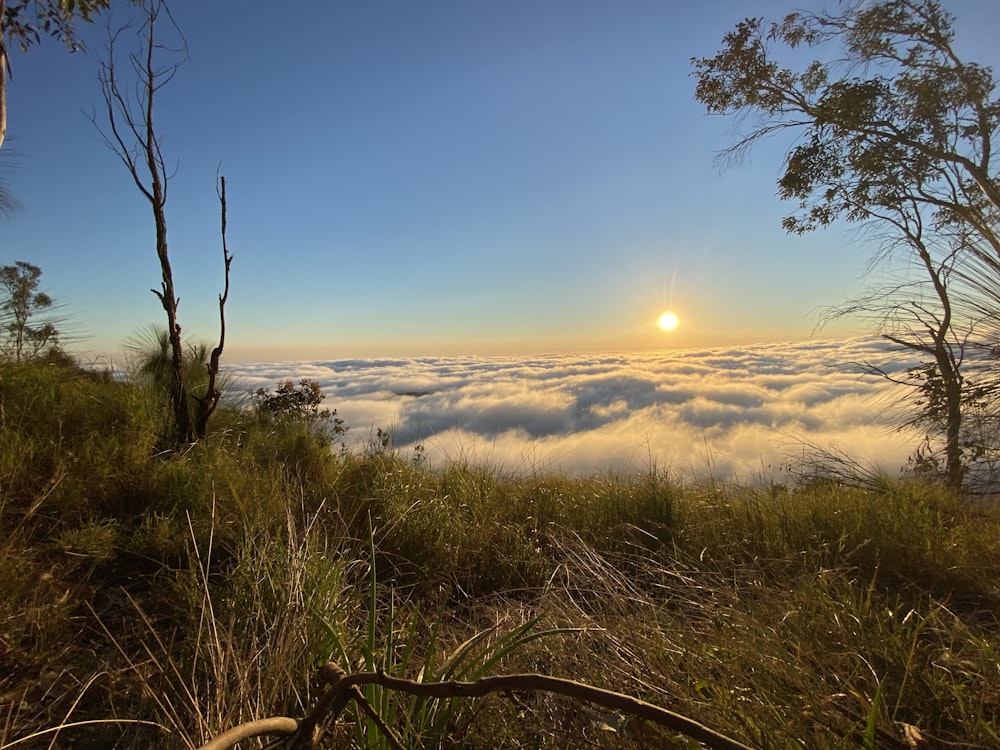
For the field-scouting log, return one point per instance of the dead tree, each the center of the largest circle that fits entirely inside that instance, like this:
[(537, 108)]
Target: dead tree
[(131, 134)]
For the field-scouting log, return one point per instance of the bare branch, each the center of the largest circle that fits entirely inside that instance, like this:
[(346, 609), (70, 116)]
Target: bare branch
[(209, 402), (134, 139), (344, 687)]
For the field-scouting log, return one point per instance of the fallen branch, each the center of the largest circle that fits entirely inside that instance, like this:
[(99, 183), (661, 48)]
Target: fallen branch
[(305, 734), (276, 726)]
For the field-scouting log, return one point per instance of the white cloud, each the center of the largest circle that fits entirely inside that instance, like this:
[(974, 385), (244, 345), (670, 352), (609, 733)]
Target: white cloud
[(738, 410)]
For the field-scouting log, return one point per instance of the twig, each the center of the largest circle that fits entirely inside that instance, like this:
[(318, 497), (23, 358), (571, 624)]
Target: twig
[(73, 724), (360, 699)]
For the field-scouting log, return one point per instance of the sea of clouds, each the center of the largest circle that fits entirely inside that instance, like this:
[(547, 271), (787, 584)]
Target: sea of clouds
[(734, 413)]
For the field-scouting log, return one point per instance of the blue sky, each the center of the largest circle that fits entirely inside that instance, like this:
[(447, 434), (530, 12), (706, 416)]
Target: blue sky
[(429, 178)]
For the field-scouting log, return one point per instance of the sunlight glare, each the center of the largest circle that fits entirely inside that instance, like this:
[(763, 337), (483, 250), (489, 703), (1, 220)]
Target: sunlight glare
[(668, 321)]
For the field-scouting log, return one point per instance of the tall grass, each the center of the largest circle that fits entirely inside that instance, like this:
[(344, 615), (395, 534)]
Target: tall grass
[(196, 590)]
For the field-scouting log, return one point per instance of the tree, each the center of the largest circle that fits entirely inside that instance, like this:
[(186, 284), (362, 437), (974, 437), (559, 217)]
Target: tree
[(21, 304), (897, 133), (301, 401), (25, 21), (133, 137)]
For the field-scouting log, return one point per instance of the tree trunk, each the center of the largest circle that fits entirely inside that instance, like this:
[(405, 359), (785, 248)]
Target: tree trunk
[(133, 139), (954, 471), (948, 366), (183, 428), (4, 66), (208, 403), (183, 432)]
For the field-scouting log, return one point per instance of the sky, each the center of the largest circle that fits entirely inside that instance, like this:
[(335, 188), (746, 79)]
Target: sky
[(443, 178)]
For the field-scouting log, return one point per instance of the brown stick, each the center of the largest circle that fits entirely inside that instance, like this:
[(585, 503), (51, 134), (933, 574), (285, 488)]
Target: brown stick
[(277, 725), (386, 730), (344, 687), (570, 688)]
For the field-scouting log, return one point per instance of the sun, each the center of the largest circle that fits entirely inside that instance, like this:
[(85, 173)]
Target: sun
[(668, 321)]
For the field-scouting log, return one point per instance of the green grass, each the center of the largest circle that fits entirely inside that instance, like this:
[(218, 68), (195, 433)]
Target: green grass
[(194, 591)]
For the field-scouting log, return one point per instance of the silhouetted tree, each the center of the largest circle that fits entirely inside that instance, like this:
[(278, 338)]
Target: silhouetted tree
[(896, 131), (132, 135)]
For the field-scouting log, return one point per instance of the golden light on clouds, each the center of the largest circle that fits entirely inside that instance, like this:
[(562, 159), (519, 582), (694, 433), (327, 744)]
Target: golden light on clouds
[(668, 321), (732, 410)]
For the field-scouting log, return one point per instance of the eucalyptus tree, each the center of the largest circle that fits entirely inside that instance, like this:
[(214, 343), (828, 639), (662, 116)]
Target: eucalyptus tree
[(893, 130), (24, 22)]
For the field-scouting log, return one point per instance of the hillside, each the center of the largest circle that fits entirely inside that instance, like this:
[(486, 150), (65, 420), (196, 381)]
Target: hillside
[(156, 599)]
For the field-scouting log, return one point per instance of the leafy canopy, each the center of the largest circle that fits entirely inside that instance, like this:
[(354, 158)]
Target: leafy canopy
[(899, 115), (26, 21)]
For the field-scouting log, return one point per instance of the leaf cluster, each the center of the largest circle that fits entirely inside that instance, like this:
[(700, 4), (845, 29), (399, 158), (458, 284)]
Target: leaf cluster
[(26, 21), (301, 401)]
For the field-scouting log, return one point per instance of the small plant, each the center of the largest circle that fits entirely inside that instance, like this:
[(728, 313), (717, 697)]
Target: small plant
[(380, 444), (300, 401)]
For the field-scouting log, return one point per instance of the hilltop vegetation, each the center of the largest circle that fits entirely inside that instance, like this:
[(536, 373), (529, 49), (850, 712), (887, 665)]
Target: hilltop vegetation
[(194, 590)]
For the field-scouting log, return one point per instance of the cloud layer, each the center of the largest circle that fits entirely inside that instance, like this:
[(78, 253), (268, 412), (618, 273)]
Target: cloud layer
[(734, 412)]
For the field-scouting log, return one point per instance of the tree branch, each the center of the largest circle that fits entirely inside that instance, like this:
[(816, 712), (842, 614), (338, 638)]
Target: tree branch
[(344, 687), (209, 402)]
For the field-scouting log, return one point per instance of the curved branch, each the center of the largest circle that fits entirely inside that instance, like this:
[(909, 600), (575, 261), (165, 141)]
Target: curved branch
[(570, 688), (280, 726), (344, 687)]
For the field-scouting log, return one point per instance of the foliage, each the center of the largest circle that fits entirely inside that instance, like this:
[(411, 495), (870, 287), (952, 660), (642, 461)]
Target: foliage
[(299, 405), (400, 641), (150, 361), (149, 357), (300, 401), (20, 303), (907, 118), (8, 203), (896, 132), (25, 21)]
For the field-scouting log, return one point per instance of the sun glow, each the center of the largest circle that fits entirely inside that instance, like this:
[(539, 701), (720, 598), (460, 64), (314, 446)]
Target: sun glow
[(668, 321)]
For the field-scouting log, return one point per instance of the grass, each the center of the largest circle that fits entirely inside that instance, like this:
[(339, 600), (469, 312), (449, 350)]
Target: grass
[(156, 600)]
